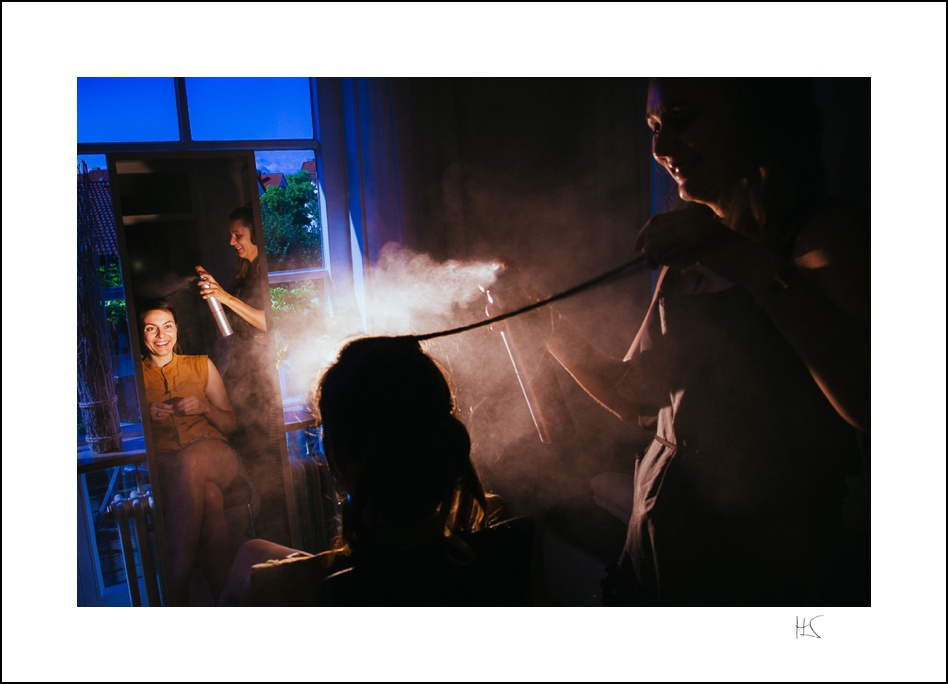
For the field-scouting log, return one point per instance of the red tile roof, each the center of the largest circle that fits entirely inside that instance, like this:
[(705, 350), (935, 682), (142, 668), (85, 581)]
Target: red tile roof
[(268, 179), (105, 239), (310, 165)]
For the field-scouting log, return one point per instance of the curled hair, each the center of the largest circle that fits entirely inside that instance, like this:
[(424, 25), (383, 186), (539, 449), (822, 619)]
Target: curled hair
[(391, 434)]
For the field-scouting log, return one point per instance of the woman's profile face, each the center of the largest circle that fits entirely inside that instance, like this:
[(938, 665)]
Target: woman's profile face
[(697, 138), (240, 240), (160, 333)]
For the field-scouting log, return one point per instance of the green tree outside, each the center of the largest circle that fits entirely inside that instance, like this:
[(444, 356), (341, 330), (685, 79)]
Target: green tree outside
[(110, 277), (293, 240), (291, 228)]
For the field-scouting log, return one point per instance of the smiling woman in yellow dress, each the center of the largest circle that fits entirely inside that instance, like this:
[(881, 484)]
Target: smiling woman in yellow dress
[(190, 416)]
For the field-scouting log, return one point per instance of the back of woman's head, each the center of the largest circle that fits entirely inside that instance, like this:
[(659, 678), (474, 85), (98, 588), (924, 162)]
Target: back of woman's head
[(391, 435)]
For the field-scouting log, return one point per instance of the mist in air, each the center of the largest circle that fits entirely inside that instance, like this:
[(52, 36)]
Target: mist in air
[(411, 293), (543, 173)]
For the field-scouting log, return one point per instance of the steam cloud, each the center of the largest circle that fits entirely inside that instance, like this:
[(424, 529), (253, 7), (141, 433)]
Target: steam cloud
[(410, 293), (406, 293)]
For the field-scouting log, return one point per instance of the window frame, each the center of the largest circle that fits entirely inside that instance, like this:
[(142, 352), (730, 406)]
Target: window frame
[(186, 143)]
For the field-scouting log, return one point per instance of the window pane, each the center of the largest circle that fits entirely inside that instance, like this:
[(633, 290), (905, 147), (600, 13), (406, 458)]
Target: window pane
[(249, 108), (126, 110), (289, 203)]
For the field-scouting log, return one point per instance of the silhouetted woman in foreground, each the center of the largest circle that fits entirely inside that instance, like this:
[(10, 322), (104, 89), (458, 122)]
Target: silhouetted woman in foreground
[(415, 525)]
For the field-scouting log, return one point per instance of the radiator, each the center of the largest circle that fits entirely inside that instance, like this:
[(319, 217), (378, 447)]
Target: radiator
[(134, 516), (317, 506)]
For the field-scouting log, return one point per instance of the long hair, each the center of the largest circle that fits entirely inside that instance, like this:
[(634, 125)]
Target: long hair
[(391, 434), (143, 310)]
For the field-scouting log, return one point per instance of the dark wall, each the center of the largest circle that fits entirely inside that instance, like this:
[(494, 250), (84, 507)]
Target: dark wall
[(552, 173), (847, 150)]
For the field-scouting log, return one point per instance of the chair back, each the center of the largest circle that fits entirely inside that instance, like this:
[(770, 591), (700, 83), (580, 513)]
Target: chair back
[(493, 567)]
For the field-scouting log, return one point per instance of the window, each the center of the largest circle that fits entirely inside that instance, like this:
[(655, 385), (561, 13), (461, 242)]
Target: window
[(299, 284), (266, 108), (122, 110)]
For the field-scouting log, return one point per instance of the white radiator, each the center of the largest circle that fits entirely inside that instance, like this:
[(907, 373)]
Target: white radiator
[(134, 516)]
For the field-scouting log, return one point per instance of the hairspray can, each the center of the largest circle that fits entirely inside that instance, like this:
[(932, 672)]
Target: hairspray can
[(219, 316)]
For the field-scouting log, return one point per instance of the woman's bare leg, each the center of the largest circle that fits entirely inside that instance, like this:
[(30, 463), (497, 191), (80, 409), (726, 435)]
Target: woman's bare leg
[(237, 589), (183, 480), (215, 552)]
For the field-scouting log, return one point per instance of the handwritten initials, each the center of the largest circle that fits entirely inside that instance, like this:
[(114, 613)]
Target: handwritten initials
[(802, 628)]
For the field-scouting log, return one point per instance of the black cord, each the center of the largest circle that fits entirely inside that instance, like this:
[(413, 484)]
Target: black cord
[(536, 305)]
